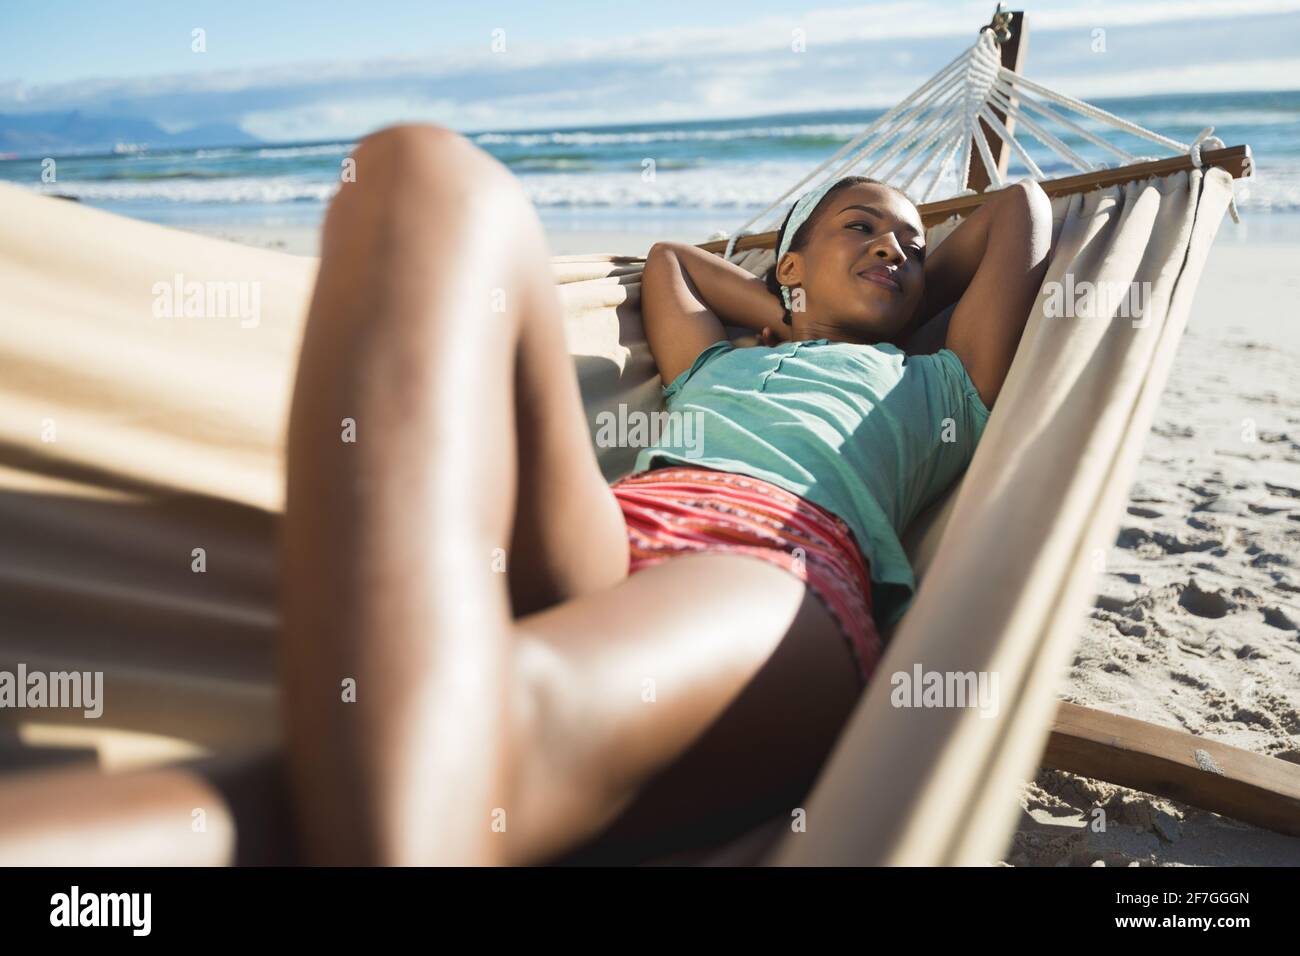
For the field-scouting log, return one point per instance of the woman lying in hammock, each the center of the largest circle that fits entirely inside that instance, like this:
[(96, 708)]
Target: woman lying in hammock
[(491, 655)]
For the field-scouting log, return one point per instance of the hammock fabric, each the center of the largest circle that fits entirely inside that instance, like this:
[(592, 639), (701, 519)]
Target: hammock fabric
[(129, 440)]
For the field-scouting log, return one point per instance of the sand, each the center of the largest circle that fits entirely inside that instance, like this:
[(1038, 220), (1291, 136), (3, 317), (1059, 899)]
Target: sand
[(1195, 625)]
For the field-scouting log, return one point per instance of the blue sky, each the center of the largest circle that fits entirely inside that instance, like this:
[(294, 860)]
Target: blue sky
[(306, 70)]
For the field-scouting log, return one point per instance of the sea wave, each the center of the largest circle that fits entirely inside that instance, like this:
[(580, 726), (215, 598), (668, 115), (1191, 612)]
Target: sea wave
[(296, 152), (682, 188), (241, 190), (1276, 188), (584, 138), (1273, 189), (133, 174), (1219, 118)]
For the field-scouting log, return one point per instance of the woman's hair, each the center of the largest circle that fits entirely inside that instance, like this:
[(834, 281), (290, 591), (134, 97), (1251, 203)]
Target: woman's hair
[(800, 238)]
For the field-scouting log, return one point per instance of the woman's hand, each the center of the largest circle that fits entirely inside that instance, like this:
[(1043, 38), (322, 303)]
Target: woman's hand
[(770, 337), (688, 295)]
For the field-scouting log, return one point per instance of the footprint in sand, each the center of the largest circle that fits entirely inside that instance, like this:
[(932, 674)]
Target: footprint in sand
[(1152, 543), (1282, 582), (1211, 604), (1266, 398), (1147, 493), (1275, 617), (1170, 430), (1138, 512)]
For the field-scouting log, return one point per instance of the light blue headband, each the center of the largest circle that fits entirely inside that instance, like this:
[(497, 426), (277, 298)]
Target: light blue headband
[(802, 209)]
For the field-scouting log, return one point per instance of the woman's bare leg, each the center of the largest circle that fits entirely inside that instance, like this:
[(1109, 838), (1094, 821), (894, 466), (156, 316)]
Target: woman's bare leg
[(569, 538), (397, 665), (560, 718), (703, 691)]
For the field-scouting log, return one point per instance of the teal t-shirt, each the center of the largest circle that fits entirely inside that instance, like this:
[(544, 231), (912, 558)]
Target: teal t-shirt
[(867, 432)]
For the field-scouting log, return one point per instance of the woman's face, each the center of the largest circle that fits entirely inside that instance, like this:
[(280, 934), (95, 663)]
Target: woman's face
[(862, 268)]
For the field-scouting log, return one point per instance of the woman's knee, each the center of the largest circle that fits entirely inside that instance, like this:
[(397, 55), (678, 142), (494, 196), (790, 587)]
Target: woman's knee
[(425, 169), (407, 147), (420, 159)]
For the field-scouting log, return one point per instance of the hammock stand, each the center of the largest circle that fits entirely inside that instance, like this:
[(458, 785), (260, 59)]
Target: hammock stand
[(928, 788)]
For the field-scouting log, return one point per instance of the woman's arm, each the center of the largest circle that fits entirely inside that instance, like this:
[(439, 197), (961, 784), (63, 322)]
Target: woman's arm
[(688, 295), (994, 263)]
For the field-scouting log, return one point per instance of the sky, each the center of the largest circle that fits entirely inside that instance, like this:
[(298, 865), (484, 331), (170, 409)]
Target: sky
[(295, 70)]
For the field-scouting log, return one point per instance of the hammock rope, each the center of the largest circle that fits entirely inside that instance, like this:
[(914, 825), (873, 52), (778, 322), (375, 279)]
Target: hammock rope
[(943, 115)]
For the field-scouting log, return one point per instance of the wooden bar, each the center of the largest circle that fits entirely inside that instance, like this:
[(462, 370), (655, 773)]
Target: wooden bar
[(1013, 52), (1235, 159), (1171, 763)]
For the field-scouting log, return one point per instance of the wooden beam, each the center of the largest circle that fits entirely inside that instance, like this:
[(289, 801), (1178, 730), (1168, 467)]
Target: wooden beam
[(1236, 160), (1013, 49), (1170, 763)]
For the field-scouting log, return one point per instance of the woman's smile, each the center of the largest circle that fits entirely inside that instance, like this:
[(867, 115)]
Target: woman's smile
[(882, 277)]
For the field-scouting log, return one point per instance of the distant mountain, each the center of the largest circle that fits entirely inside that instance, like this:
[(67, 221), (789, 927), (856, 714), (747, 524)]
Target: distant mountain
[(60, 134)]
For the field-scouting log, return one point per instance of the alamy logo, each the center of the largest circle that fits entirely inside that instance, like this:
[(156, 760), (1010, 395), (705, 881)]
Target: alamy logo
[(639, 429), (210, 299), (53, 689), (922, 688), (1097, 300), (102, 909)]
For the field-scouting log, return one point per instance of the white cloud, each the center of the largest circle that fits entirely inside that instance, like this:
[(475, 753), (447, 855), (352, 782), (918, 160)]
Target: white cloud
[(862, 57), (1230, 76)]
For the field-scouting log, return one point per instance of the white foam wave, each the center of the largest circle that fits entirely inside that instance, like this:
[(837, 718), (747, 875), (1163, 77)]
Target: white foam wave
[(234, 190), (838, 130), (730, 186), (1218, 118), (294, 152)]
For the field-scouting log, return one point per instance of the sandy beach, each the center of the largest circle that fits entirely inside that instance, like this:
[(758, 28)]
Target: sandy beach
[(1195, 627)]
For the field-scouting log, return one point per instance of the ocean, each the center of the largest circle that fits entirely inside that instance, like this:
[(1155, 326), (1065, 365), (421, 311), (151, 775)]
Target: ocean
[(714, 174)]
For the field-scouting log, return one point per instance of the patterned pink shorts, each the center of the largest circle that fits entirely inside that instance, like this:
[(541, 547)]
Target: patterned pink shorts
[(680, 510)]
